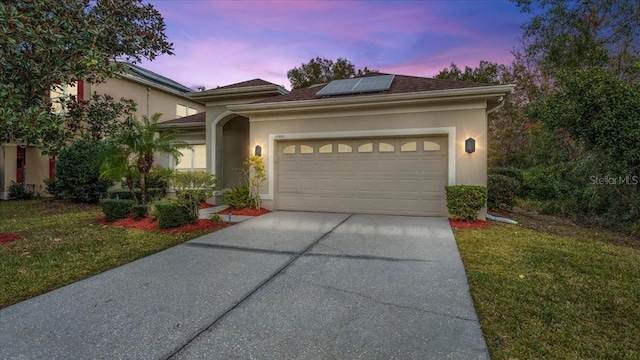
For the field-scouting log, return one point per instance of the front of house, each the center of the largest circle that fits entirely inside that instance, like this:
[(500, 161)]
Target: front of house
[(382, 144)]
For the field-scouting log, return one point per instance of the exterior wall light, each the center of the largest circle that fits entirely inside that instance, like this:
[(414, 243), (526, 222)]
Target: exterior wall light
[(470, 145), (258, 151)]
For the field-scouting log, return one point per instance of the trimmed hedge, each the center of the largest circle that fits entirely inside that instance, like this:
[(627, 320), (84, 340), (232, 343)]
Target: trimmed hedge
[(154, 193), (464, 201), (172, 214), (238, 197), (78, 172), (139, 211), (115, 209)]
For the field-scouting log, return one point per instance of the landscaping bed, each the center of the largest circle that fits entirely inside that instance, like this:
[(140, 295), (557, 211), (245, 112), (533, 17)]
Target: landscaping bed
[(245, 212), (148, 224)]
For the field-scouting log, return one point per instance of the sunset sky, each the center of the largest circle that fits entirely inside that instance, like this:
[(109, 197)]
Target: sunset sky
[(218, 43)]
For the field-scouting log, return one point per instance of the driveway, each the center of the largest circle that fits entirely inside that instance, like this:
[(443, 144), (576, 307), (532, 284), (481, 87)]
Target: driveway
[(284, 285)]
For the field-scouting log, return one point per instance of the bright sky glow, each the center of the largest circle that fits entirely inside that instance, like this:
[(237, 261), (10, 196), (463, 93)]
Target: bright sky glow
[(219, 43)]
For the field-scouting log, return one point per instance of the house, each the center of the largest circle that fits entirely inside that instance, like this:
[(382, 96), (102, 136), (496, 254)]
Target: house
[(382, 143), (150, 91)]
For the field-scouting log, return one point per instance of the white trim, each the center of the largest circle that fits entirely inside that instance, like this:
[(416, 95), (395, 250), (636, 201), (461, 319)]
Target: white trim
[(449, 131)]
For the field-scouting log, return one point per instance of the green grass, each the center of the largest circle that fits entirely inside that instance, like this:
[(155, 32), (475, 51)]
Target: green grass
[(62, 243), (543, 295)]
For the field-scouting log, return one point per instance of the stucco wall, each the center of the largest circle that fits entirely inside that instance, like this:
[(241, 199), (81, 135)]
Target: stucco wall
[(469, 119)]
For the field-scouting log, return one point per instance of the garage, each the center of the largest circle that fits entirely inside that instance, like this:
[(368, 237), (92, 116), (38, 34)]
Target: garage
[(395, 175)]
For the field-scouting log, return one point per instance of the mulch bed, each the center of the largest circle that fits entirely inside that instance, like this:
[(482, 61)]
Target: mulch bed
[(204, 205), (148, 224), (464, 224), (245, 212), (6, 238)]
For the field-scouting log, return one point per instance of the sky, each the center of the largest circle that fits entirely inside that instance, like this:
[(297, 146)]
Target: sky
[(218, 43)]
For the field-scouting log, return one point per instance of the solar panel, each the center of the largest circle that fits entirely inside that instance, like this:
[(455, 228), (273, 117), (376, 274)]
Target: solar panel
[(357, 85)]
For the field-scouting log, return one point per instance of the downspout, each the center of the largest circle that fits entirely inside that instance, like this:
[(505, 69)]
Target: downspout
[(497, 107), (148, 92)]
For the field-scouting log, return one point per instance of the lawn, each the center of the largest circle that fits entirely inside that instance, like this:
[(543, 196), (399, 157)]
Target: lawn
[(62, 243), (550, 289)]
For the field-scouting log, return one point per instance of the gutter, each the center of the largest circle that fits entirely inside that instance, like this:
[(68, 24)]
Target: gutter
[(155, 85), (496, 108)]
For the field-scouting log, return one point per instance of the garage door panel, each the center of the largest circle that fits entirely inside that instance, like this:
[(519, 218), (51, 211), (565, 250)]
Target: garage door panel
[(385, 176)]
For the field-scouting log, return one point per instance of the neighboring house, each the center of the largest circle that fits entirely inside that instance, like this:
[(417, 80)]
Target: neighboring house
[(151, 92), (381, 144)]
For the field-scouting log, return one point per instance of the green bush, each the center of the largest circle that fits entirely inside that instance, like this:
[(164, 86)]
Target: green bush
[(192, 187), (139, 211), (172, 214), (507, 171), (78, 172), (502, 191), (238, 197), (50, 187), (116, 209), (464, 201), (17, 191), (154, 193), (544, 182)]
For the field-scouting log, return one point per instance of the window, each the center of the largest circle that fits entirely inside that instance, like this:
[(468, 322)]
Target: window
[(194, 158), (306, 149), (184, 110), (409, 146), (431, 146), (344, 148), (60, 96), (385, 147), (365, 148), (291, 149), (326, 149)]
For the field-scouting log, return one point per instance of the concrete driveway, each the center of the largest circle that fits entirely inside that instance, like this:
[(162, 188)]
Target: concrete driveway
[(281, 286)]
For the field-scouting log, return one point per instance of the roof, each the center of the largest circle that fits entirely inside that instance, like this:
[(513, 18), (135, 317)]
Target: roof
[(149, 75), (401, 84), (199, 118), (243, 84)]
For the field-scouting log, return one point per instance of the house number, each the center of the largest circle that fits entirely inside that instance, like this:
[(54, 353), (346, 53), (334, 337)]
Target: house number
[(279, 137)]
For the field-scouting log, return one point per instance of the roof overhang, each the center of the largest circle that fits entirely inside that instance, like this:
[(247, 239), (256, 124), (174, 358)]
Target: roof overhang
[(492, 94), (154, 85), (223, 94)]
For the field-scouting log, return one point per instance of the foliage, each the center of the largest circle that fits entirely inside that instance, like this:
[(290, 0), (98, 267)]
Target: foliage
[(50, 187), (193, 187), (99, 117), (139, 211), (160, 177), (256, 175), (115, 209), (216, 218), (133, 150), (40, 51), (321, 70), (172, 214), (78, 172), (502, 191), (154, 193), (486, 72), (464, 201), (238, 197), (17, 191)]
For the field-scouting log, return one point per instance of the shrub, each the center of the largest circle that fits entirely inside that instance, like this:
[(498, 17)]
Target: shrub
[(507, 171), (238, 197), (154, 193), (116, 209), (139, 211), (172, 214), (50, 187), (192, 187), (502, 191), (464, 201), (78, 172), (17, 191), (544, 182)]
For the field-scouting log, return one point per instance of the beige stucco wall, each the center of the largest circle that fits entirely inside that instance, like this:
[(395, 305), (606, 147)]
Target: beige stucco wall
[(36, 169), (469, 119), (150, 100)]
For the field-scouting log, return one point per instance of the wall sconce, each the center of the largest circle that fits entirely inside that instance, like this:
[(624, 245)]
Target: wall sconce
[(470, 145), (258, 151)]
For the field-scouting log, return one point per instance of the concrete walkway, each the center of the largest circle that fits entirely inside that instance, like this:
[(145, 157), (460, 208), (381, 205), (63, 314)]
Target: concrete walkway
[(281, 286)]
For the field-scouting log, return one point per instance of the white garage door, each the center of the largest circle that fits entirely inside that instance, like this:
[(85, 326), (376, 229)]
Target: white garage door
[(403, 176)]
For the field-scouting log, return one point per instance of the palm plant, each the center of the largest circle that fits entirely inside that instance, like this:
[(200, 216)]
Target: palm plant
[(134, 149)]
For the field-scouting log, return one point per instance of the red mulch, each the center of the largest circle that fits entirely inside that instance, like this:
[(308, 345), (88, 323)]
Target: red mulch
[(6, 238), (147, 224), (499, 213), (245, 212), (464, 224), (204, 205)]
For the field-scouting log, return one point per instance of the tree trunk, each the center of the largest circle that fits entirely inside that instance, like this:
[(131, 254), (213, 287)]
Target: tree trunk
[(130, 185), (143, 188)]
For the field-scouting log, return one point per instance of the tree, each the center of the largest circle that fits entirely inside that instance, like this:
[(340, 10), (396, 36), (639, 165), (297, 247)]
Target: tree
[(137, 147), (486, 72), (42, 48), (321, 70)]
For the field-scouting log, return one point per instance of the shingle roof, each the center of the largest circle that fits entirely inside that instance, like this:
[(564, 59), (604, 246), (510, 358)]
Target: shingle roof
[(156, 78), (191, 119), (401, 84), (248, 83)]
